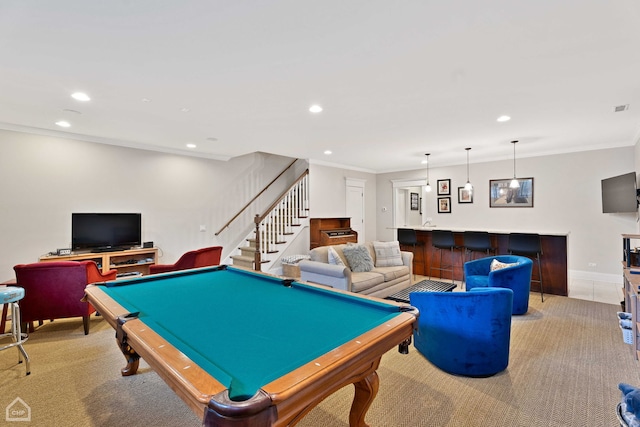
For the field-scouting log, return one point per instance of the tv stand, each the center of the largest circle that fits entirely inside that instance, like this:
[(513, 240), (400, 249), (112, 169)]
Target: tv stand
[(123, 260), (107, 249)]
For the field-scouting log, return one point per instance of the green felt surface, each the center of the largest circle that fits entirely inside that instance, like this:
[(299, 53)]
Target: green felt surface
[(243, 328)]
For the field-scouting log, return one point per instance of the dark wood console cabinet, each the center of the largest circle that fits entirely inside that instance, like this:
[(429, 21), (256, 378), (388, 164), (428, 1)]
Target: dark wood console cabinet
[(331, 231)]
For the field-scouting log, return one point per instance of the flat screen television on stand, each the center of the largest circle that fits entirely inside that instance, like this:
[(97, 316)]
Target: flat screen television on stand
[(619, 194), (102, 232)]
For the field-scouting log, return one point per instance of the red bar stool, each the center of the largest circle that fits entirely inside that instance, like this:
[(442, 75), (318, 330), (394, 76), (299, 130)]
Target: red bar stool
[(10, 296)]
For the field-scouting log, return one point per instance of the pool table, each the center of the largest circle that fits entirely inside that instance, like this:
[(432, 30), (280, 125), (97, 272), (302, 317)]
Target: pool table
[(243, 348)]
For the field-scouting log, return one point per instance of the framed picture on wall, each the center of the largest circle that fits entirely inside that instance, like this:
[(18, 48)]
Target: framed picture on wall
[(444, 204), (444, 187), (501, 195), (465, 196), (415, 202)]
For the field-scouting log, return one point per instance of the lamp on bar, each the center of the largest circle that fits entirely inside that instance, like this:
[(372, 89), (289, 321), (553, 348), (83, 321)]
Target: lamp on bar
[(428, 187), (514, 182), (468, 185)]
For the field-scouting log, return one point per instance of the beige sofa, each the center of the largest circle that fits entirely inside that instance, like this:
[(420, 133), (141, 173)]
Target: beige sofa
[(379, 282)]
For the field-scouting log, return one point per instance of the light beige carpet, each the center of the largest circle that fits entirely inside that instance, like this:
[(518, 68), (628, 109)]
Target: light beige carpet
[(567, 358)]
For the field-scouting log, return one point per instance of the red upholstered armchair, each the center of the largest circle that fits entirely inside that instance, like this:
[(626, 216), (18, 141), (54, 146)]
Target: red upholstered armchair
[(204, 257), (54, 290)]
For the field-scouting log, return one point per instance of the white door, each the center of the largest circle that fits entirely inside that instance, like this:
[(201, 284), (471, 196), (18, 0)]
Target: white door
[(401, 208), (355, 209)]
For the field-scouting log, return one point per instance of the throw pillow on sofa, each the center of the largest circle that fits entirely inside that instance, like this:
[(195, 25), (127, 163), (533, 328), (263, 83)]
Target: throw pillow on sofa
[(358, 258), (333, 256), (387, 254)]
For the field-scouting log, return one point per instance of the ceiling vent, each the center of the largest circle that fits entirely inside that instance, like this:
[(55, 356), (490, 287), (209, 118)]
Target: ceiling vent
[(620, 108)]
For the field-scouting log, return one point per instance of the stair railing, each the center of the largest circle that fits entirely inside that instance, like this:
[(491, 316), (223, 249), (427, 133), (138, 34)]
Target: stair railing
[(245, 207), (279, 219)]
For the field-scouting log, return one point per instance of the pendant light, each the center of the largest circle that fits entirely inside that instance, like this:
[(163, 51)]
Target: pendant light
[(428, 187), (468, 185), (514, 182)]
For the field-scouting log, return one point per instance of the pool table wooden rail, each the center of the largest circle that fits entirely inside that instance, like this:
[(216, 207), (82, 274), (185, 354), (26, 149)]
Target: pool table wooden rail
[(282, 402)]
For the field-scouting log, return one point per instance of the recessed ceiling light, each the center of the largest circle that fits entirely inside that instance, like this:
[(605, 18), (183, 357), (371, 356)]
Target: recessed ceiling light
[(191, 145), (63, 124), (185, 110), (212, 139), (315, 108), (67, 110), (146, 100), (328, 152), (80, 96), (504, 118)]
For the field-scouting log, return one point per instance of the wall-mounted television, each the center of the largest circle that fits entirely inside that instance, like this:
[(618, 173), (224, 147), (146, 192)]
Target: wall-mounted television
[(619, 194), (105, 231)]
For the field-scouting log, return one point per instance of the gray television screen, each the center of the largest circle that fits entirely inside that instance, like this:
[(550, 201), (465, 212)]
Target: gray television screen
[(619, 194)]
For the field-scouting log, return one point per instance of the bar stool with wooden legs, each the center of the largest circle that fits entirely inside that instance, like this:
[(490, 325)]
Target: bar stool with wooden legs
[(10, 296), (475, 242), (443, 240), (409, 237), (528, 245)]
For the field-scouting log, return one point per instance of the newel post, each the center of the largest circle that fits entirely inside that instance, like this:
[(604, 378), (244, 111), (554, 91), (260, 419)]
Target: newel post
[(256, 258)]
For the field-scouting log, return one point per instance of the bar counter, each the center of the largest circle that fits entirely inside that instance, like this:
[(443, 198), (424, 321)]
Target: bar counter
[(553, 258)]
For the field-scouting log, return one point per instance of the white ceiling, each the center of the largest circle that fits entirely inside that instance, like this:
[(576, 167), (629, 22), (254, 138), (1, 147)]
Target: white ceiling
[(396, 79)]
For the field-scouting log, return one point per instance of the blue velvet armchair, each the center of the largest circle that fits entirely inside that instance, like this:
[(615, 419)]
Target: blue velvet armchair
[(465, 333), (517, 277)]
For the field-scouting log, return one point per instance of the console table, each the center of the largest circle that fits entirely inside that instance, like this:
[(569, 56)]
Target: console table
[(127, 261)]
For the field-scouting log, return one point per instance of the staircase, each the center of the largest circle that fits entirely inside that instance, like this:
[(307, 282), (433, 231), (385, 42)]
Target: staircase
[(276, 228)]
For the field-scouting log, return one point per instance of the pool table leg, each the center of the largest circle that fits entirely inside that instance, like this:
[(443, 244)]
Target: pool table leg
[(366, 390), (133, 361), (133, 358)]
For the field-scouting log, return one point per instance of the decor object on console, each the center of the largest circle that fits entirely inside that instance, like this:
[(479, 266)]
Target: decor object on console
[(204, 257), (381, 281), (465, 333), (54, 290), (517, 277)]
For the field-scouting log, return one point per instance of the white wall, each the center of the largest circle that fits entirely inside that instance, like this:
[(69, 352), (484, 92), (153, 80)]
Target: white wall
[(567, 199), (328, 194), (44, 179)]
